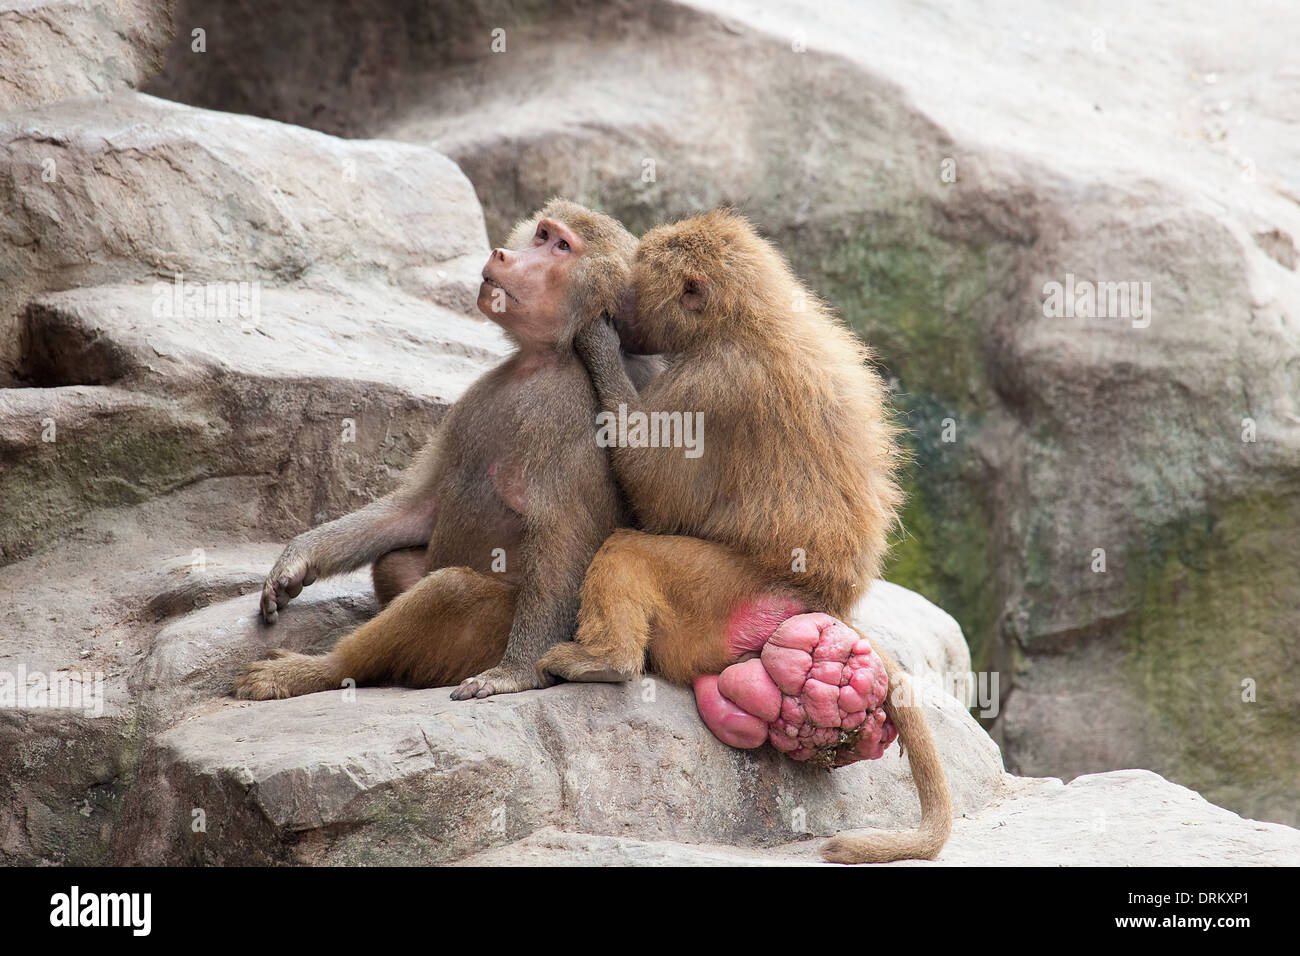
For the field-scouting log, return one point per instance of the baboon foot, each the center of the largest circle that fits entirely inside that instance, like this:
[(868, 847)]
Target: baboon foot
[(574, 662), (505, 678), (285, 674)]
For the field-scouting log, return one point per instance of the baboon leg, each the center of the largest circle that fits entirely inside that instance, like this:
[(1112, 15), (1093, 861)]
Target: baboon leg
[(621, 597), (452, 624), (687, 606), (398, 571)]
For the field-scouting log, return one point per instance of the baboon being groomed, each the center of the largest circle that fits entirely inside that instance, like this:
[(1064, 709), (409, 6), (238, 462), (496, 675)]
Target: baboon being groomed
[(480, 552)]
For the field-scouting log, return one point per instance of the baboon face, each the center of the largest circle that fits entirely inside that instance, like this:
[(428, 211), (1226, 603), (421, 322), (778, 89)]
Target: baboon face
[(525, 288), (689, 279), (563, 266)]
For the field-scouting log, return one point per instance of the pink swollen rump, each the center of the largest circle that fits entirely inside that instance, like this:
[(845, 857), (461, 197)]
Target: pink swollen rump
[(815, 693)]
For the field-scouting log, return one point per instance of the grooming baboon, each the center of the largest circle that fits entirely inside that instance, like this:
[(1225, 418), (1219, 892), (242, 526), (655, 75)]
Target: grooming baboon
[(788, 508), (480, 552)]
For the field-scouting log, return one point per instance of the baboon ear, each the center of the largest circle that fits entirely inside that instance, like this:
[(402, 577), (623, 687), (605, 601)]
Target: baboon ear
[(693, 290)]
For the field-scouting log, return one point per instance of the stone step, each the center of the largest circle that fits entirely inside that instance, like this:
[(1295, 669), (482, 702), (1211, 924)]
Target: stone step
[(331, 390)]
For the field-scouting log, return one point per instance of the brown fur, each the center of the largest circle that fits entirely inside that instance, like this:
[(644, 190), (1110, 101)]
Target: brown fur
[(511, 466), (397, 571), (799, 453)]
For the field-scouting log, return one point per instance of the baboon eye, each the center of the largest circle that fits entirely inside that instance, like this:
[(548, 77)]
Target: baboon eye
[(562, 246)]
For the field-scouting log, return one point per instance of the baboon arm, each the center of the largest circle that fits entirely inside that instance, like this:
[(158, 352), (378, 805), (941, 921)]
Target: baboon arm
[(572, 510), (402, 519), (568, 518), (641, 369), (364, 536), (346, 544), (598, 346), (546, 611)]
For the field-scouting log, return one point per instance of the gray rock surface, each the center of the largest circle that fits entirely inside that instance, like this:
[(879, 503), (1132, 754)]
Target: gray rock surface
[(929, 169), (60, 49), (158, 215), (144, 191), (154, 458), (402, 776), (1122, 818)]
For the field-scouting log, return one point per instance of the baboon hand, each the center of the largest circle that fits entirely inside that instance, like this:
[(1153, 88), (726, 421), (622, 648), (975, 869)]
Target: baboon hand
[(508, 677), (597, 344), (292, 572)]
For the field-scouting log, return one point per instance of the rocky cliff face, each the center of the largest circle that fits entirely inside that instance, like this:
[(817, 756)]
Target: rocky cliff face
[(932, 172), (217, 330)]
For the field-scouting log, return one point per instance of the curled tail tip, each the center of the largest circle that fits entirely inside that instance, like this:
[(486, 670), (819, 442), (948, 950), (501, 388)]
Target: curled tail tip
[(851, 854), (838, 850), (884, 848)]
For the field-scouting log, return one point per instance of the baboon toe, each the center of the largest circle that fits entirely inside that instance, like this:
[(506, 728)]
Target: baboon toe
[(502, 679)]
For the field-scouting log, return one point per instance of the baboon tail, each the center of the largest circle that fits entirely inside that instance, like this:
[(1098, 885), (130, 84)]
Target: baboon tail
[(925, 842)]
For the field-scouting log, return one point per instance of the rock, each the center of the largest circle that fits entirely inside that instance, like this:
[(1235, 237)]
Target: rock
[(86, 605), (381, 775), (264, 340), (931, 177), (553, 847), (65, 776), (391, 775), (146, 191), (56, 50), (333, 391), (350, 331), (1123, 818), (66, 451), (196, 657), (154, 459)]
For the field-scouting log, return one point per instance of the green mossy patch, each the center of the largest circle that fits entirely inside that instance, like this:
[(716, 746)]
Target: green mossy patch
[(917, 299), (1217, 600), (106, 465), (943, 553), (74, 785)]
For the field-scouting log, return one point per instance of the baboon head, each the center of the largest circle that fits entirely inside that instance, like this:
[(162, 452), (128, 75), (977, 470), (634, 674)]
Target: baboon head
[(561, 267), (696, 280)]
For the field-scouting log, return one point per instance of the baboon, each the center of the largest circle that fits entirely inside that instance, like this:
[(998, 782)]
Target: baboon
[(787, 510), (480, 552)]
